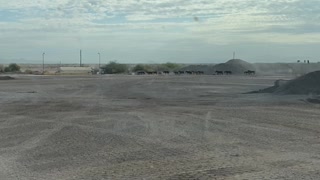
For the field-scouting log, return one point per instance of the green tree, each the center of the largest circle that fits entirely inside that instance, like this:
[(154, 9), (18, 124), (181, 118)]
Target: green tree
[(13, 67), (141, 67), (171, 66), (115, 68), (28, 71), (168, 67), (138, 67)]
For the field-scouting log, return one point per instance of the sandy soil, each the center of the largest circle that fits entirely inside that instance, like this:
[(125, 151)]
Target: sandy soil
[(155, 127)]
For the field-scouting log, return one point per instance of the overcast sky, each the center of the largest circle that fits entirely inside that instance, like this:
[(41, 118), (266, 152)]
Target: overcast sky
[(157, 31)]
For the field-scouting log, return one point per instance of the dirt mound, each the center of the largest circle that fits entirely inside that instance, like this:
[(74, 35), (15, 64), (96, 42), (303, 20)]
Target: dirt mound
[(314, 100), (237, 66), (307, 84), (6, 78)]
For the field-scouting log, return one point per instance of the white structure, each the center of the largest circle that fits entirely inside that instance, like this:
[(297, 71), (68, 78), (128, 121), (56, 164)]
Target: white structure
[(75, 70)]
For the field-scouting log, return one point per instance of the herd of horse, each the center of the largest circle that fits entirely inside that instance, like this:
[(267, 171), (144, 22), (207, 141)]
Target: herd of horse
[(248, 72)]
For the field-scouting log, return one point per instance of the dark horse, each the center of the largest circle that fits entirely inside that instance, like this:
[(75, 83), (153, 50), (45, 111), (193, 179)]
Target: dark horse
[(200, 73), (141, 73), (166, 72), (249, 72), (219, 72), (228, 72)]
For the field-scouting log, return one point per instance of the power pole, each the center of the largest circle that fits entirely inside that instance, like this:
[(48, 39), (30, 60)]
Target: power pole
[(234, 55), (43, 62), (99, 60), (80, 57)]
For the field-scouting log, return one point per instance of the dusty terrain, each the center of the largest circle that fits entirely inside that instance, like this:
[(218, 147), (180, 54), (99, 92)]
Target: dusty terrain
[(155, 127)]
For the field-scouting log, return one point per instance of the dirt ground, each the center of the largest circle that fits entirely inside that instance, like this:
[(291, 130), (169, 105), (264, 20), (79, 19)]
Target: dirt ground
[(155, 127)]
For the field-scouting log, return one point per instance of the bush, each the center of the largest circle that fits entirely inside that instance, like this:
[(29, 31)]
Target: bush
[(114, 68), (138, 67), (168, 67), (28, 71), (7, 69), (141, 67), (13, 67), (1, 69), (171, 66), (161, 67)]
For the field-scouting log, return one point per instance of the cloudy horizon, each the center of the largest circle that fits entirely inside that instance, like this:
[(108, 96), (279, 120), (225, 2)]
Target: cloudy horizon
[(158, 31)]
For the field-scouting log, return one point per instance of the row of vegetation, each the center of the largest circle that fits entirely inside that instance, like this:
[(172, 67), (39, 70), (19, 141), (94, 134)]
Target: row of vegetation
[(111, 68), (11, 68), (117, 68), (158, 67)]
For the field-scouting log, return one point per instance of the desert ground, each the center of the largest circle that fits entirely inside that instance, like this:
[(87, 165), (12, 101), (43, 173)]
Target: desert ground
[(155, 127)]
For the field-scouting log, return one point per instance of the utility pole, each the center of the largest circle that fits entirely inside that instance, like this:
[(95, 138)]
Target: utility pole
[(43, 62), (80, 57), (99, 60), (234, 55)]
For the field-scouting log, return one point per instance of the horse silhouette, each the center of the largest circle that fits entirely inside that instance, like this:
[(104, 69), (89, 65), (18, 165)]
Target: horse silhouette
[(228, 72), (219, 72), (249, 72)]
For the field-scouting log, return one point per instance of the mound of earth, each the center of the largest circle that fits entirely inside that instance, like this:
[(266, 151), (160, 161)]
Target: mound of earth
[(314, 100), (6, 78), (237, 66), (307, 84)]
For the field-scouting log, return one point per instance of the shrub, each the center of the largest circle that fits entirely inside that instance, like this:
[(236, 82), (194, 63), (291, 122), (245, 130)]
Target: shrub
[(160, 67), (168, 67), (13, 67), (28, 71), (171, 66), (138, 67), (114, 68), (1, 69), (7, 69), (141, 67)]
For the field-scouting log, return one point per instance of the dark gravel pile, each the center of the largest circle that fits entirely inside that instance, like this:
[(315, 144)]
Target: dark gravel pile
[(237, 66), (6, 78), (307, 84)]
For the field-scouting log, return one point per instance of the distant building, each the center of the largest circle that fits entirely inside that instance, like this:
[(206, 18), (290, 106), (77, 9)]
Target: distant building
[(74, 70)]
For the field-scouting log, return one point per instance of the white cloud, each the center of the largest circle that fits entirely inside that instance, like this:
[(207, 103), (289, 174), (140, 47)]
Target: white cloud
[(124, 23)]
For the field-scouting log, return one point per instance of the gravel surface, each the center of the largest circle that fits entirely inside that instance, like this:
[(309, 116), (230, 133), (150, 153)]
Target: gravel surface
[(155, 127)]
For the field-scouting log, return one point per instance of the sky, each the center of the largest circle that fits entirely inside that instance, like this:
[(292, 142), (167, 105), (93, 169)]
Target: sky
[(158, 31)]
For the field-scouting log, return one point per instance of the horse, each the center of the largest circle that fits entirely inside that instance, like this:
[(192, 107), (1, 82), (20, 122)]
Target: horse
[(219, 72), (228, 72)]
